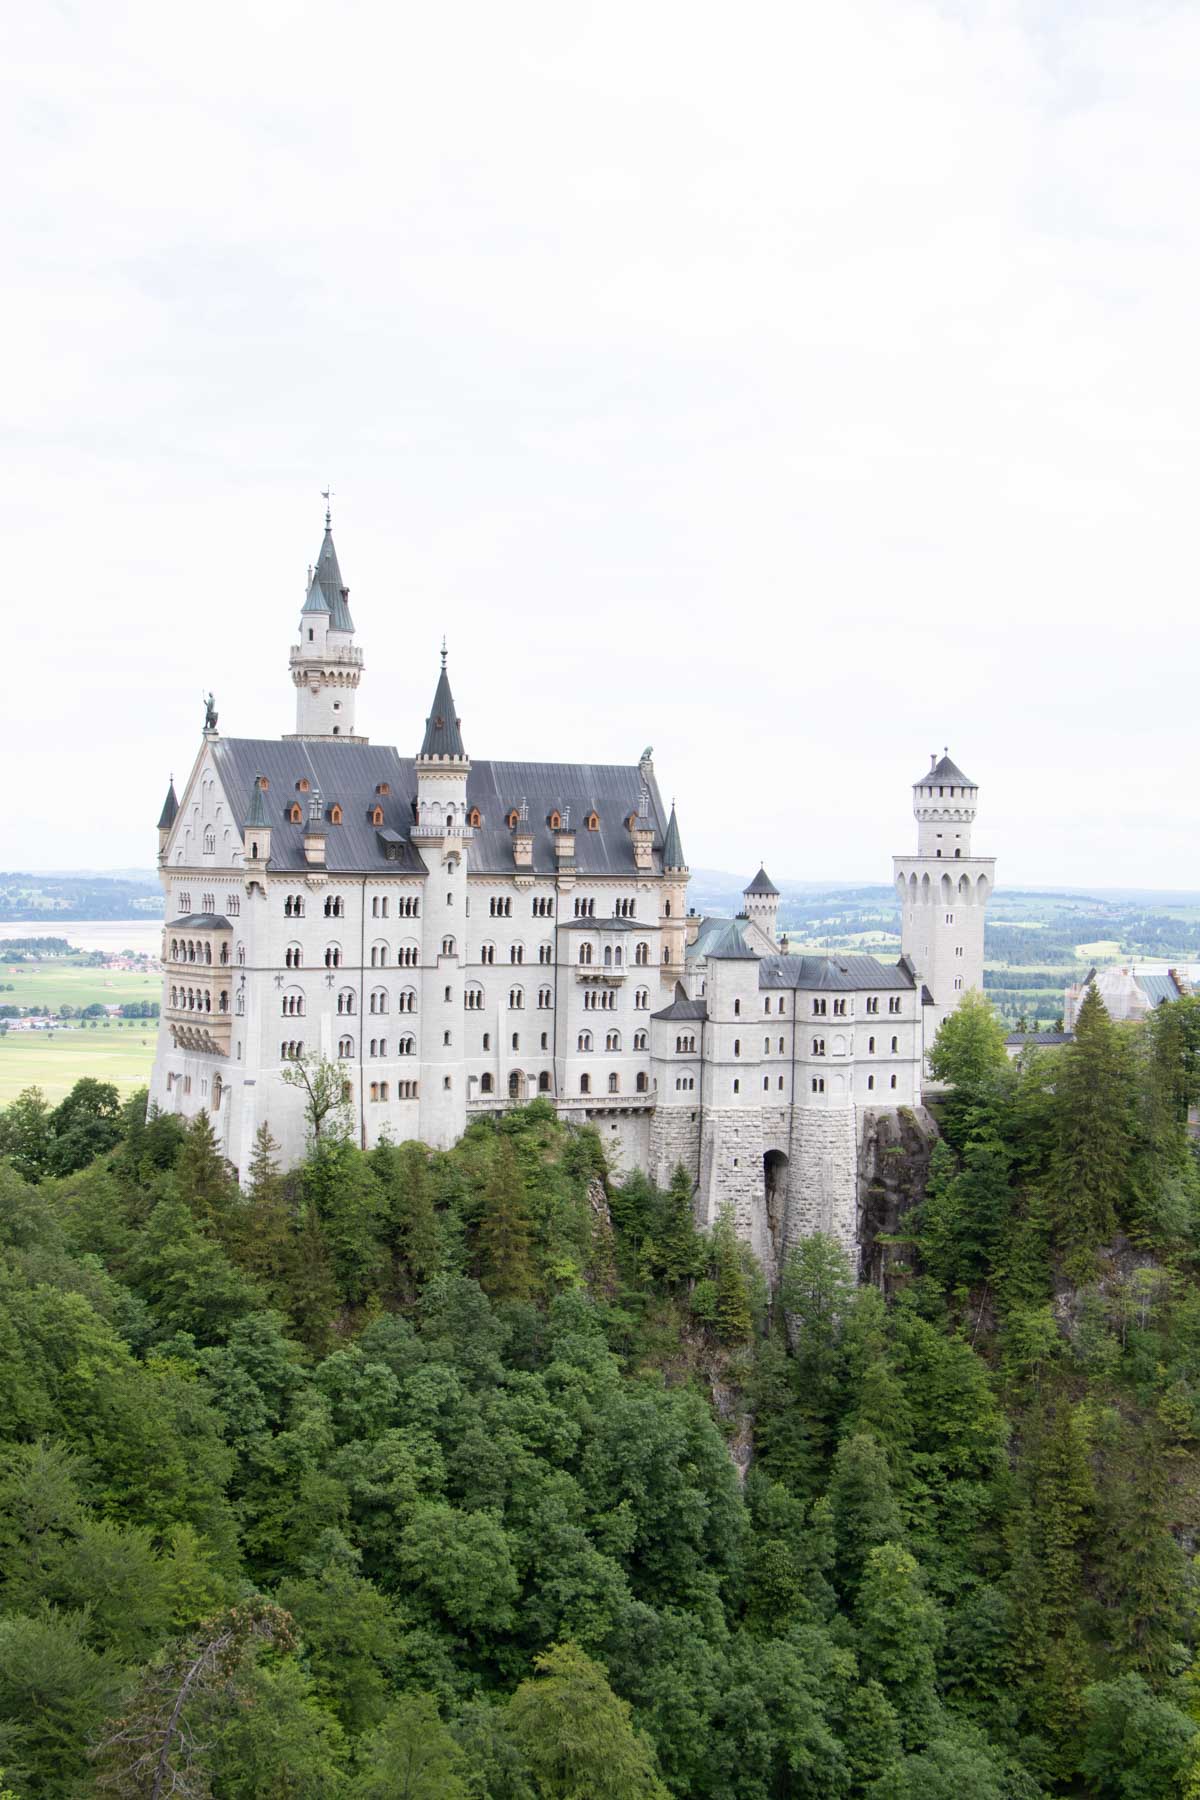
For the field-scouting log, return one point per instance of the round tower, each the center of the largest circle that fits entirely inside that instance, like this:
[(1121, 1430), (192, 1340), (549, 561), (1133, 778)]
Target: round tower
[(760, 903), (673, 903), (944, 802), (326, 664)]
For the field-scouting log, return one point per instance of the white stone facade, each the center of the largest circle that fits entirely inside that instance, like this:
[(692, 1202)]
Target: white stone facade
[(455, 942)]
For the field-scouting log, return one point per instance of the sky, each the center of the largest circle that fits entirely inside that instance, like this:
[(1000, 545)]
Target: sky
[(796, 388)]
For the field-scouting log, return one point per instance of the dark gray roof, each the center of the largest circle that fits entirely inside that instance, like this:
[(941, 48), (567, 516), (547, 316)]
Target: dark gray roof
[(337, 594), (316, 601), (599, 924), (844, 973), (257, 815), (683, 1009), (944, 770), (673, 857), (730, 946), (1159, 989), (200, 922), (350, 773), (170, 809), (762, 884), (442, 734), (1044, 1040)]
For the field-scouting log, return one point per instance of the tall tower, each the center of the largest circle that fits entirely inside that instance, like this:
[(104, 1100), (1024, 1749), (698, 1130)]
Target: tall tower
[(761, 903), (326, 664), (943, 891), (441, 833), (673, 921)]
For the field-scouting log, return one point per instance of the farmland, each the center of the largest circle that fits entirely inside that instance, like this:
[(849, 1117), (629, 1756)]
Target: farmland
[(118, 1051)]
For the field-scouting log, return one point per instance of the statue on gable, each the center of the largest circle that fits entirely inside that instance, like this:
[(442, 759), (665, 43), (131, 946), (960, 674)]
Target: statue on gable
[(210, 714)]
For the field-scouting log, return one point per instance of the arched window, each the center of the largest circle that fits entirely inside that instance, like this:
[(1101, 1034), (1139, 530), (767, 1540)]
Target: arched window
[(293, 957), (406, 1046), (895, 1050), (592, 821), (293, 906), (345, 1001), (585, 1040), (614, 1083), (295, 816), (345, 1048), (641, 954), (555, 820), (486, 1084), (377, 815), (544, 1082), (210, 841), (639, 1040), (335, 906), (516, 953), (585, 1084), (585, 953), (406, 1000), (641, 999), (292, 1003), (474, 818), (409, 956), (544, 997), (516, 999), (379, 1000), (333, 956), (737, 1046), (642, 1084), (335, 814), (447, 946)]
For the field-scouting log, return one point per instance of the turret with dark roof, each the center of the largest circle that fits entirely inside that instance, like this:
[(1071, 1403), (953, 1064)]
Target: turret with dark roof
[(328, 577), (942, 770), (443, 738), (673, 857), (257, 815), (170, 808), (762, 884)]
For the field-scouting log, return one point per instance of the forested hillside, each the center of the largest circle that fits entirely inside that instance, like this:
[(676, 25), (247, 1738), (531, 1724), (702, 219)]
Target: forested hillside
[(483, 1474)]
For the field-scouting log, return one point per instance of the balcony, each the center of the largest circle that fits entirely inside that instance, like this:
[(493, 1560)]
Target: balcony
[(347, 655), (434, 828), (207, 1032), (600, 974)]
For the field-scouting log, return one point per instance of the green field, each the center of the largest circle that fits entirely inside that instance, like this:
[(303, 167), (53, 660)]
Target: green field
[(120, 1054), (50, 985)]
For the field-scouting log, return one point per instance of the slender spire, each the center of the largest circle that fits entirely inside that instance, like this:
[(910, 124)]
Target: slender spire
[(328, 577), (762, 884), (257, 816), (442, 734), (170, 808), (673, 857)]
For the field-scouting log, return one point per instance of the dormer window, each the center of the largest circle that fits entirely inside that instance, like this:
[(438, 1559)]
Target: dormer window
[(303, 785), (295, 815), (592, 821), (514, 818), (631, 821), (383, 788), (263, 783), (335, 814), (556, 820), (475, 818), (377, 815)]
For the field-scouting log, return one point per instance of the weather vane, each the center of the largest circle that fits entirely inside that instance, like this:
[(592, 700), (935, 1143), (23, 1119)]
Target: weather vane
[(327, 496)]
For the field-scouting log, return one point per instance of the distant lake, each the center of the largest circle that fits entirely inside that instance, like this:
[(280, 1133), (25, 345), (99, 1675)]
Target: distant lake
[(113, 935)]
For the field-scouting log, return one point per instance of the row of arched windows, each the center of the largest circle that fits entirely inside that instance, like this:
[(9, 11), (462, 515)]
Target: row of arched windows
[(198, 950), (600, 1000), (198, 1000), (641, 1083)]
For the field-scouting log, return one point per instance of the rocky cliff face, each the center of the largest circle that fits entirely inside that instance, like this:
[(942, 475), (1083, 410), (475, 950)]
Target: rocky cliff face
[(893, 1162)]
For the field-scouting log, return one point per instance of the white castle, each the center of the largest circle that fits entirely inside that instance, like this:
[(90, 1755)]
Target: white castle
[(461, 935)]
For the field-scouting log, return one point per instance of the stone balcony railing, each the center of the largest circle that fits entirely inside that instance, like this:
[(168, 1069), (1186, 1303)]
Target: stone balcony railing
[(209, 1033), (600, 972), (349, 655), (433, 829)]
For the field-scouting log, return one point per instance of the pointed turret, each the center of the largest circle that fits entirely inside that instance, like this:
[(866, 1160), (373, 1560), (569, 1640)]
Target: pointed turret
[(760, 903), (443, 737), (256, 833), (167, 817), (326, 664), (170, 808), (762, 884), (673, 857)]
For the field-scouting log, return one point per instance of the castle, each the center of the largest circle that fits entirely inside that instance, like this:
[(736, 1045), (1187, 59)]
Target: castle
[(461, 935)]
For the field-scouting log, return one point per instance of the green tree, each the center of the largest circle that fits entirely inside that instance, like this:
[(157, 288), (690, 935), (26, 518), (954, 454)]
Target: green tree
[(84, 1125), (1136, 1746), (677, 1244), (203, 1179), (577, 1736), (863, 1509), (734, 1315), (506, 1262), (26, 1135), (55, 1689), (899, 1631), (323, 1086), (411, 1756), (1092, 1156), (969, 1048)]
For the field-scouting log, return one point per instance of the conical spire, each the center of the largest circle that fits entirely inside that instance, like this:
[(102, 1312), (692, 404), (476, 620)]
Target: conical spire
[(762, 884), (673, 857), (328, 577), (257, 816), (170, 808), (442, 734), (316, 601)]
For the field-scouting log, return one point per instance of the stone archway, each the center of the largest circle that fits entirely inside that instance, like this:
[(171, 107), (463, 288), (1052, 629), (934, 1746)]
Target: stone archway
[(516, 1084)]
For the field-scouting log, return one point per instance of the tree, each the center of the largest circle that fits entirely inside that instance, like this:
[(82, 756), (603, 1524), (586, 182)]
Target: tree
[(506, 1265), (153, 1748), (202, 1173), (577, 1736), (1093, 1152), (25, 1133), (969, 1048), (323, 1085), (84, 1125), (54, 1691), (900, 1630), (1136, 1746), (677, 1246), (863, 1509), (734, 1316), (411, 1756)]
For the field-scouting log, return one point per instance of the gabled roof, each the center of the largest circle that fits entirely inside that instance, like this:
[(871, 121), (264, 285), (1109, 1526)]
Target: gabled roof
[(257, 815), (329, 577), (1042, 1040), (944, 770), (442, 734), (844, 974), (730, 946), (352, 773), (762, 884), (170, 809), (673, 857), (684, 1009)]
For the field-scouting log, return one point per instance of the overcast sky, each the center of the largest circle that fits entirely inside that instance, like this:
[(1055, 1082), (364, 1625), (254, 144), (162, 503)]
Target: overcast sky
[(797, 388)]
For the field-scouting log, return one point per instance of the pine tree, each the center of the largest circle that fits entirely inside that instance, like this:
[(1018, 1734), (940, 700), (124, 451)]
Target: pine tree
[(677, 1246), (733, 1301), (506, 1263), (202, 1173), (1091, 1162)]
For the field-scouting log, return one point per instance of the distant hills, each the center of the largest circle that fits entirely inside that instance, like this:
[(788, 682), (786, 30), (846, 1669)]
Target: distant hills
[(31, 898)]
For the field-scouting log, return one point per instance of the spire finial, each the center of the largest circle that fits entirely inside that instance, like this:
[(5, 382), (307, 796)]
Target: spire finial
[(327, 496), (443, 650)]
